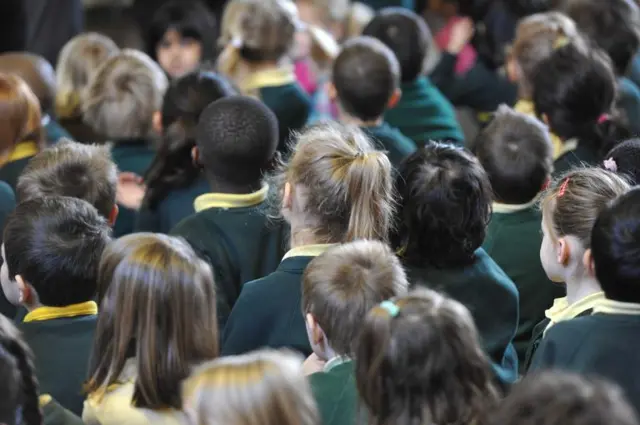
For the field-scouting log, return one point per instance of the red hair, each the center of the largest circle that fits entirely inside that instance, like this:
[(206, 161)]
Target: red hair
[(20, 115)]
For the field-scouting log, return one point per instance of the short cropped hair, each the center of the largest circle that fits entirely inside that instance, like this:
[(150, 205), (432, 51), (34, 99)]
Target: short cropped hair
[(237, 138), (516, 152), (366, 74), (55, 244), (72, 169), (406, 34), (342, 285)]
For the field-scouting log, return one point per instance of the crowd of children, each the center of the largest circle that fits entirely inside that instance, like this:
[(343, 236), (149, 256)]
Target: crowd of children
[(280, 219)]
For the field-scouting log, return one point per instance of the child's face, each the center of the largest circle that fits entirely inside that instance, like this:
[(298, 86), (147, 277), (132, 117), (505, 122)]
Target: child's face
[(9, 287), (178, 55)]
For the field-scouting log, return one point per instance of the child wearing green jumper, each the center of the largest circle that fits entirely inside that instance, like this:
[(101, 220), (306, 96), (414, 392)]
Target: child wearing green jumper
[(338, 289)]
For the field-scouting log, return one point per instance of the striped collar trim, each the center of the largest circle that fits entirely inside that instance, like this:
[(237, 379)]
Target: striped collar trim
[(508, 208), (23, 150), (617, 307), (269, 78), (561, 310), (335, 362), (229, 200), (50, 313), (308, 250)]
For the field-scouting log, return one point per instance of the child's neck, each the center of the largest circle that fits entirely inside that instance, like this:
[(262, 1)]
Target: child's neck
[(580, 287), (264, 66), (302, 237), (351, 120), (219, 186)]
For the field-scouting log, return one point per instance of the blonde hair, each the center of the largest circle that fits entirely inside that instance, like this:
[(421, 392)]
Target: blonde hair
[(79, 59), (123, 96), (341, 187), (261, 388)]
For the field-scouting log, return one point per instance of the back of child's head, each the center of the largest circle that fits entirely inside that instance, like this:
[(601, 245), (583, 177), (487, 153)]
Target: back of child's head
[(78, 61), (340, 186), (575, 93), (406, 34), (516, 152), (445, 196), (366, 75), (260, 388), (561, 398), (54, 244), (342, 285), (616, 248), (624, 159), (176, 288), (123, 95), (419, 360), (72, 169), (184, 102), (20, 115), (237, 138), (36, 71), (614, 25)]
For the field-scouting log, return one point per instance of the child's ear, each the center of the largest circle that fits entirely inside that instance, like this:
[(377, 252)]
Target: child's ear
[(589, 264), (513, 70), (563, 252), (24, 296), (287, 196), (545, 119), (315, 331), (332, 92), (157, 122), (113, 215), (395, 98), (195, 156)]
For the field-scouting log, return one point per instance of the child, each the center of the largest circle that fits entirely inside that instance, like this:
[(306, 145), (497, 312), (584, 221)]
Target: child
[(258, 36), (158, 321), (559, 398), (624, 159), (343, 19), (445, 196), (366, 79), (79, 60), (605, 343), (236, 141), (419, 361), (181, 36), (7, 204), (573, 93), (515, 151), (423, 113), (261, 388), (569, 208), (119, 104), (338, 289), (52, 248), (173, 180), (21, 134), (335, 189)]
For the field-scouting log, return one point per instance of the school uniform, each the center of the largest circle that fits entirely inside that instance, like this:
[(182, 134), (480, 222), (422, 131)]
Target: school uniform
[(268, 311), (7, 205), (114, 406), (528, 108), (575, 154), (279, 90), (234, 234), (380, 4), (19, 158), (134, 156), (81, 132), (54, 414), (604, 344), (513, 241), (629, 102), (53, 130), (423, 114), (492, 299), (390, 140), (61, 339), (172, 209), (335, 392)]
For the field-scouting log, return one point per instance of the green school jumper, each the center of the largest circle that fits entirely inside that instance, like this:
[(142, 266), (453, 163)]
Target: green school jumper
[(268, 312), (175, 207), (335, 392), (54, 131), (7, 205), (492, 299), (423, 114), (389, 139), (575, 154), (10, 172), (381, 4), (61, 339), (605, 344), (133, 156), (513, 241), (54, 414), (234, 234)]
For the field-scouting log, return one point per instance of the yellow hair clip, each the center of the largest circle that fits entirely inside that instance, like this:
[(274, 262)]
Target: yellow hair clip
[(561, 42)]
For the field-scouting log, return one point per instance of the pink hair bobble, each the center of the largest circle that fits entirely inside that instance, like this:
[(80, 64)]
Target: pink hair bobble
[(604, 118), (611, 165)]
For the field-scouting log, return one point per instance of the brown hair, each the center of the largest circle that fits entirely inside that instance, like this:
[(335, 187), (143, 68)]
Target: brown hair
[(20, 115), (573, 202), (341, 186), (261, 388), (79, 59), (72, 169), (419, 360), (343, 284), (157, 305)]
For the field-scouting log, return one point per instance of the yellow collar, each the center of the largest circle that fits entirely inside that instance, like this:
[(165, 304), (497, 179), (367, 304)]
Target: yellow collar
[(228, 200), (49, 313), (308, 250), (508, 208), (562, 310), (269, 78), (23, 150), (525, 106), (44, 399), (617, 307)]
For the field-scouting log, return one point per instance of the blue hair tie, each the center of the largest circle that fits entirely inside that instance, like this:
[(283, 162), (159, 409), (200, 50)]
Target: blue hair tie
[(391, 308)]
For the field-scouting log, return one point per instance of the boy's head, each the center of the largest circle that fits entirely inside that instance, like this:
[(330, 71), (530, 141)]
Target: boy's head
[(366, 78), (406, 34), (516, 152), (52, 246), (76, 170), (37, 72), (341, 286), (236, 140), (123, 96)]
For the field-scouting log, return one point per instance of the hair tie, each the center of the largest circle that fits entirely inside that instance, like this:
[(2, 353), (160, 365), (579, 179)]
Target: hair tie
[(391, 308), (560, 42), (611, 165), (237, 42), (563, 188), (604, 118)]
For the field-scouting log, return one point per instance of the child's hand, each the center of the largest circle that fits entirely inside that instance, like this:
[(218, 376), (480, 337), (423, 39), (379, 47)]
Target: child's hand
[(313, 364), (461, 34), (130, 191)]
